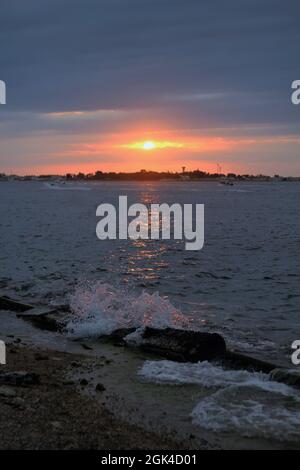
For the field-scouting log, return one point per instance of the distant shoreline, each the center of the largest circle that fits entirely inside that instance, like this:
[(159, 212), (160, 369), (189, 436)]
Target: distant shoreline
[(124, 177)]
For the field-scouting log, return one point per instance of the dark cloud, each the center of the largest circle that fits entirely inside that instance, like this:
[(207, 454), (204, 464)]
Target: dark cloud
[(192, 63), (90, 54)]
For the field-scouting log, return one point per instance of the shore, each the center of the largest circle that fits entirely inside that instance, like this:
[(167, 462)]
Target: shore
[(55, 415), (91, 395)]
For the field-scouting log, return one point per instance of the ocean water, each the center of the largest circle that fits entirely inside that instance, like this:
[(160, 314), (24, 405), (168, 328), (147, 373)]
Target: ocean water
[(244, 283), (242, 402)]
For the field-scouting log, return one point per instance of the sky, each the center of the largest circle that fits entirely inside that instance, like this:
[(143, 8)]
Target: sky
[(124, 85)]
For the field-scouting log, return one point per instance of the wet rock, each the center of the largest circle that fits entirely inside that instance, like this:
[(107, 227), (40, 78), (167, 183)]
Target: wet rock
[(19, 378), (43, 318), (183, 345), (117, 336), (86, 347), (6, 303), (41, 357), (75, 364), (243, 361), (287, 376), (100, 387)]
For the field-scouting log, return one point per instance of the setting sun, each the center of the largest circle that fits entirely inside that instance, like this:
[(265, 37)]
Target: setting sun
[(149, 145), (153, 145)]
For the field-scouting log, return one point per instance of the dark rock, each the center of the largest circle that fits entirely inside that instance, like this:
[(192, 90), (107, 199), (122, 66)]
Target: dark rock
[(183, 345), (242, 361), (117, 336), (6, 303), (75, 364), (19, 378), (41, 357), (83, 382), (100, 387), (287, 376), (85, 346), (43, 318)]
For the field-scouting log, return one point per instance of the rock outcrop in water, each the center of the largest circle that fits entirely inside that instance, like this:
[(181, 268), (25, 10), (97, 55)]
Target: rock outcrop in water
[(6, 303), (287, 376), (43, 318), (183, 345)]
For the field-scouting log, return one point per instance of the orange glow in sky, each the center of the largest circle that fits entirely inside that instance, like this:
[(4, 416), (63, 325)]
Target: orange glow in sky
[(151, 146)]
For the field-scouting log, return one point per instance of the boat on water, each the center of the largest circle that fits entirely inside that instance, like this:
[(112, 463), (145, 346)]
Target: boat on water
[(227, 182), (63, 186)]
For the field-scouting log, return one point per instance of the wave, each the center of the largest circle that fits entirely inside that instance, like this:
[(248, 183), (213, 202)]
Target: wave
[(251, 412), (98, 309), (249, 403)]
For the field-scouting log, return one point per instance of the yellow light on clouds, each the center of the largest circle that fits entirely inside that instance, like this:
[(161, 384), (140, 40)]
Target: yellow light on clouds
[(153, 145), (149, 145)]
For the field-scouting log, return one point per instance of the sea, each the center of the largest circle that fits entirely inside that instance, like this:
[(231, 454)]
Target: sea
[(244, 282)]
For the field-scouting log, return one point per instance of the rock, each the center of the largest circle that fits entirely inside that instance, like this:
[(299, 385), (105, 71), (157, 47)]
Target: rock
[(117, 336), (75, 364), (19, 402), (242, 361), (19, 378), (85, 346), (183, 345), (7, 392), (100, 388), (83, 382), (6, 303), (56, 424), (43, 318), (41, 357), (287, 376)]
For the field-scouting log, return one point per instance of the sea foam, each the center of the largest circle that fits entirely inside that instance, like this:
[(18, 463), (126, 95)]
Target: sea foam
[(99, 309), (245, 402), (250, 411)]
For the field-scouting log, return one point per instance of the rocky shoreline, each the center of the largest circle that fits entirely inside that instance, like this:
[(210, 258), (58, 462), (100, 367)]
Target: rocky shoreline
[(52, 413), (59, 393)]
